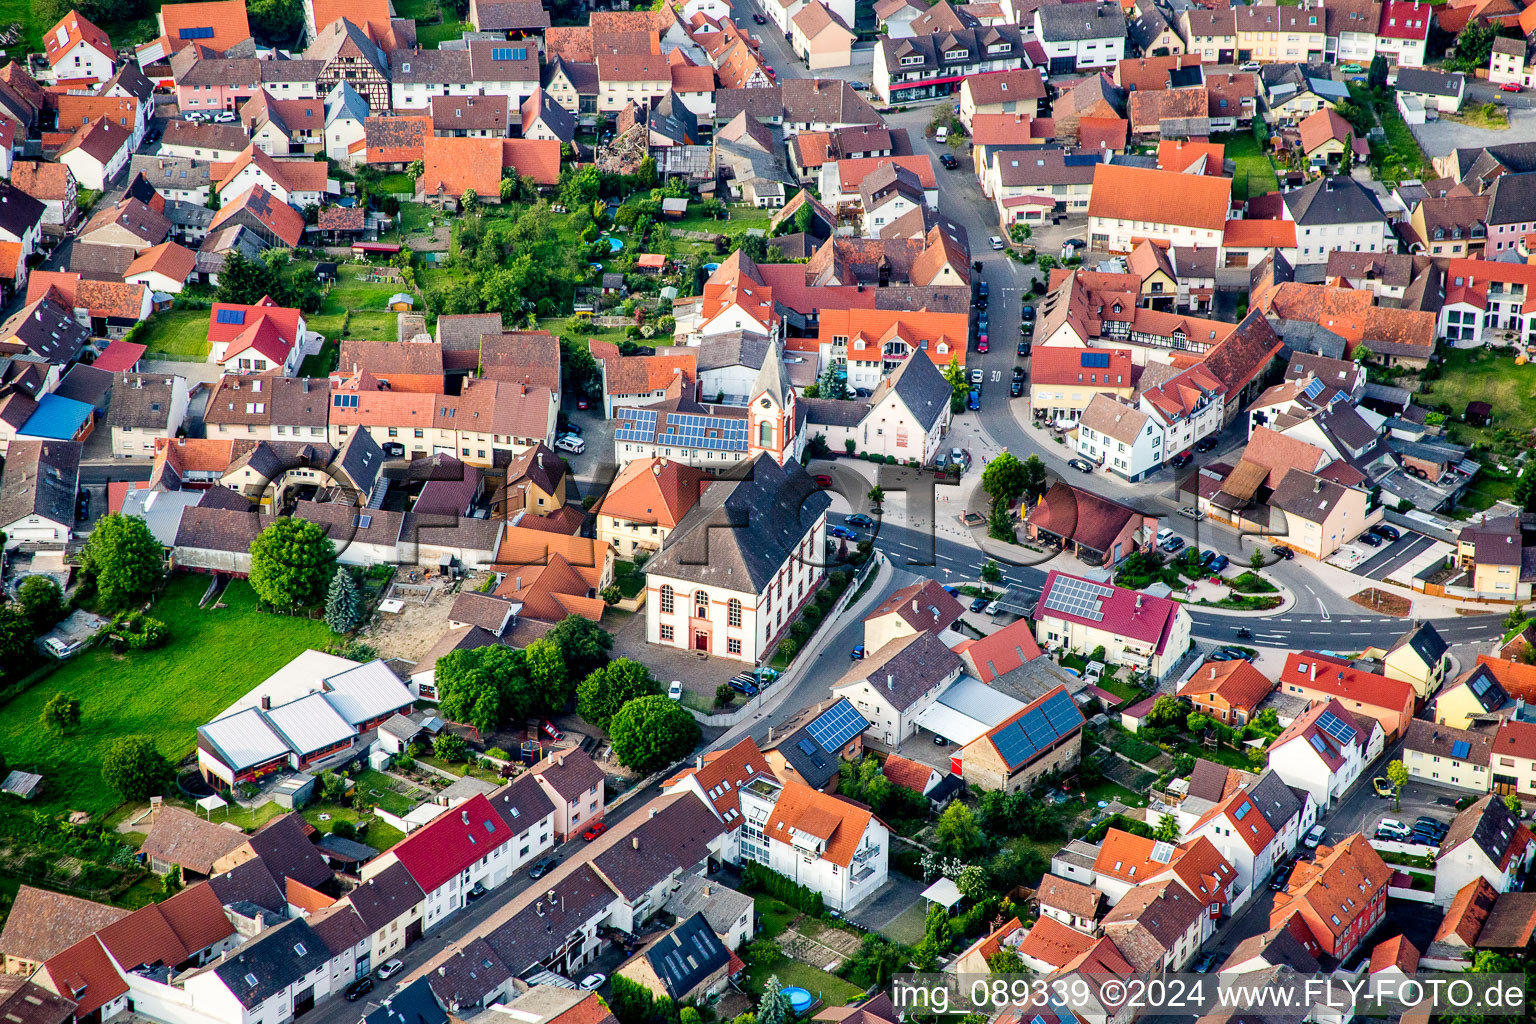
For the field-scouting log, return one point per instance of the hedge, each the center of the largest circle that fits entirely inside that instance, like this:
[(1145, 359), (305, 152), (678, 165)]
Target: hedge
[(756, 877)]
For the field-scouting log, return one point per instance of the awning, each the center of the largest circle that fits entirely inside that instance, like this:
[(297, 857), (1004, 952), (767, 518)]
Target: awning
[(931, 81), (209, 804)]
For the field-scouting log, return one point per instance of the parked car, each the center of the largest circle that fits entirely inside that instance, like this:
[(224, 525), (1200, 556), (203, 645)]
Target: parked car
[(859, 519), (981, 321), (1425, 836), (1023, 348), (1190, 512), (1207, 557), (1018, 373), (1164, 535), (758, 19), (977, 604), (1183, 459), (1386, 531), (1219, 563), (997, 243), (593, 832), (1432, 826), (542, 867), (359, 988), (857, 654), (1382, 787), (1205, 444), (1314, 837), (574, 445), (1281, 551), (1172, 544), (1250, 65), (593, 981), (675, 690), (841, 532), (1207, 963), (1369, 539), (1510, 87), (390, 969), (1352, 69), (981, 344), (1081, 465), (1015, 389), (981, 293), (977, 376), (1027, 313), (744, 685), (475, 893), (1282, 876), (973, 400), (949, 161), (823, 480)]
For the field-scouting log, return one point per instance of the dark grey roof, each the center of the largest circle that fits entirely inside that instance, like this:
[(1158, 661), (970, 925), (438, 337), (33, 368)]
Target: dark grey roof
[(1343, 423), (1513, 198), (1277, 947), (461, 332), (672, 834), (340, 847), (386, 896), (832, 100), (815, 764), (40, 478), (86, 384), (522, 803), (687, 956), (833, 412), (549, 914), (345, 523), (904, 669), (271, 962), (431, 67), (1274, 799), (733, 348), (922, 389), (1034, 679), (1426, 642), (338, 926), (360, 459), (744, 529), (130, 80), (1072, 22), (671, 119), (1333, 200), (1308, 497), (249, 882), (46, 329), (466, 978), (284, 846), (141, 400), (414, 1004), (1432, 83), (101, 262), (721, 905), (19, 212), (762, 104), (1488, 824), (1490, 696), (1208, 781)]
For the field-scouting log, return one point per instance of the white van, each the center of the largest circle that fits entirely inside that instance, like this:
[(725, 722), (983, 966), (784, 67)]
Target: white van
[(571, 443), (941, 133)]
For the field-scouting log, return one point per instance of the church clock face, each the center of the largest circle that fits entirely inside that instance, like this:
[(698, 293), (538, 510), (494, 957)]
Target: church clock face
[(765, 403)]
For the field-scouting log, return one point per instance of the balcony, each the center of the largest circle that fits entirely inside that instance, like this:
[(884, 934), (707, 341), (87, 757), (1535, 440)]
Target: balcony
[(866, 854)]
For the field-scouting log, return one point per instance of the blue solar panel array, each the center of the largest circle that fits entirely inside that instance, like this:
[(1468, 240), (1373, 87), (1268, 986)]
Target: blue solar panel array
[(202, 32), (839, 724), (230, 316), (1313, 389), (1035, 730), (636, 425), (1460, 749), (1334, 726), (1095, 360)]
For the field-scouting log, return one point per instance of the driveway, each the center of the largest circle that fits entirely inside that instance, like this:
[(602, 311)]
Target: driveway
[(883, 909), (1394, 555)]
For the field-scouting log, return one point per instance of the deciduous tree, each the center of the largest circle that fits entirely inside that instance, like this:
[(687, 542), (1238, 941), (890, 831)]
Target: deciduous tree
[(652, 732), (42, 600), (135, 769), (61, 713), (600, 696), (292, 562), (123, 560)]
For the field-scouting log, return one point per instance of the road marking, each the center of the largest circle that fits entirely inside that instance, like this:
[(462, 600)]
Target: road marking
[(1320, 605), (910, 547)]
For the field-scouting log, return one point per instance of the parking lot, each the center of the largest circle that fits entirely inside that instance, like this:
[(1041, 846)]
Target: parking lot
[(1383, 561), (1363, 810)]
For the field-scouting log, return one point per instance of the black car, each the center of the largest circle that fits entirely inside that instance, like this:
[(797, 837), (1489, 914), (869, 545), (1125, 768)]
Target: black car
[(758, 19), (1024, 348), (359, 988), (1016, 389), (1370, 540), (542, 867), (1280, 551), (1205, 444), (859, 519), (978, 604), (1282, 876), (83, 504), (1027, 313), (394, 450), (949, 161), (1081, 465), (1385, 532), (1182, 459), (1018, 373), (474, 894), (1434, 825)]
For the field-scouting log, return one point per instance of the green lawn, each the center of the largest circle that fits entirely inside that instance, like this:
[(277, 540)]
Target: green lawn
[(1479, 375), (323, 362), (1399, 156), (776, 916), (180, 335), (1254, 175), (429, 36), (373, 326), (374, 832), (831, 989), (1125, 691), (212, 658), (380, 790)]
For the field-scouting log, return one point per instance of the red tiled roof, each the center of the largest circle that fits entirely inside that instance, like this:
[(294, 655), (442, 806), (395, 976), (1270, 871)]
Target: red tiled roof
[(226, 19), (1267, 234), (538, 159), (1127, 612), (451, 842), (1054, 943), (907, 773), (454, 165), (85, 973), (71, 29), (1156, 196), (1306, 668)]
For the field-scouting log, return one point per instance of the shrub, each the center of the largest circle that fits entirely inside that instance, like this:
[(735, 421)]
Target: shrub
[(782, 888)]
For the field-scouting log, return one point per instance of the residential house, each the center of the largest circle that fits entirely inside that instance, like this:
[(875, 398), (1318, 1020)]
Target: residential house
[(1031, 185), (1210, 34), (1141, 632), (815, 741), (1002, 92), (1438, 753), (1334, 214), (1318, 677), (830, 845), (1280, 34), (686, 962), (145, 408), (820, 38), (1254, 825), (1228, 691), (78, 52), (934, 64), (1074, 904), (37, 492), (96, 153), (573, 783), (1157, 926), (1324, 751), (1064, 380), (1044, 737), (906, 417), (1130, 204), (1430, 90), (1341, 895), (42, 924), (891, 686), (53, 185), (911, 610), (1487, 841), (1402, 35), (464, 847), (1098, 530), (165, 268), (1080, 40)]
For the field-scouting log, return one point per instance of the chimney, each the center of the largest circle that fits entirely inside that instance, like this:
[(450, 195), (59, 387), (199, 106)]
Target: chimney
[(539, 907), (770, 735), (551, 897), (560, 761), (914, 605), (634, 842), (698, 763), (1213, 671), (266, 703), (1317, 486), (1138, 602), (1314, 671)]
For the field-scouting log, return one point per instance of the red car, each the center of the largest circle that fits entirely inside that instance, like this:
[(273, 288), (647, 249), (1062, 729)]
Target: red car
[(981, 343), (595, 831), (1510, 87), (823, 480), (582, 404)]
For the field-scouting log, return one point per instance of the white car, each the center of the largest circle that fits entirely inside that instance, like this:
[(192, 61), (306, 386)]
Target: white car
[(997, 243), (941, 134), (390, 969), (675, 691), (1164, 536), (1190, 512), (593, 981), (571, 443), (1314, 837), (976, 376)]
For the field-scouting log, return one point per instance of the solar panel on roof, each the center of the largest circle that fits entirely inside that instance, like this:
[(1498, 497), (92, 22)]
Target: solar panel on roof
[(201, 32), (1480, 685), (1317, 744), (1334, 726), (230, 316), (806, 747), (839, 724), (1461, 748), (1062, 713), (1095, 360), (1013, 746), (1313, 389), (1072, 596)]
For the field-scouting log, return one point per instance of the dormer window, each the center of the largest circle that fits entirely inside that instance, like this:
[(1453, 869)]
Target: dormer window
[(956, 54)]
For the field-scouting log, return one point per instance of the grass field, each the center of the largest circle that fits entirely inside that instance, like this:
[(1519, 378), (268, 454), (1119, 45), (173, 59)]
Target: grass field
[(1478, 375), (180, 335), (212, 658), (1255, 175)]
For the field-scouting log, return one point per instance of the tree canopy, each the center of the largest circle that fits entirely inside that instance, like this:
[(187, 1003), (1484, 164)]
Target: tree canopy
[(122, 560), (1004, 478), (651, 732), (135, 768), (600, 696), (343, 604), (292, 563), (42, 600), (484, 687)]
